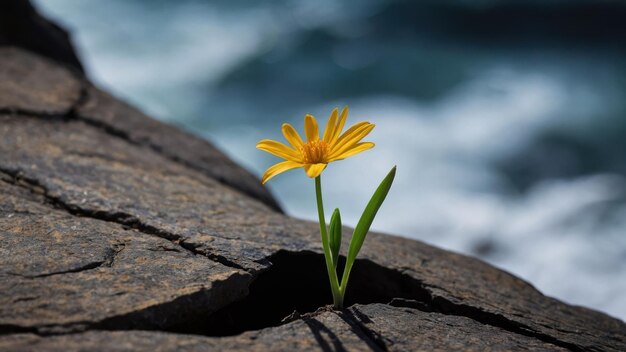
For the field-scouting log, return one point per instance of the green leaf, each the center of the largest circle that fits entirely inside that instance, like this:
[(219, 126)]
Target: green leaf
[(335, 236), (363, 226)]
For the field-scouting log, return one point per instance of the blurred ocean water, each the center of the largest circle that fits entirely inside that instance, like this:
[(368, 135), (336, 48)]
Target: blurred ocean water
[(508, 126)]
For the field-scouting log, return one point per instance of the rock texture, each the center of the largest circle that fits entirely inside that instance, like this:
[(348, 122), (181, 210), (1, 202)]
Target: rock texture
[(118, 232)]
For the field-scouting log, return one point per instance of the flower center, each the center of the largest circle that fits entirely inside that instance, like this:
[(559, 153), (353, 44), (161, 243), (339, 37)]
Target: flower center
[(314, 152)]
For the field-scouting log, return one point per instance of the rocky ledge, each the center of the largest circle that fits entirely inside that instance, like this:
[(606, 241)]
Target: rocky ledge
[(118, 232)]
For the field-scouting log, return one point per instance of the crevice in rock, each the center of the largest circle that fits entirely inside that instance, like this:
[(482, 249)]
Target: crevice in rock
[(296, 286), (8, 329), (158, 317), (119, 133), (25, 299), (83, 97), (442, 305), (18, 179), (60, 116), (297, 281), (164, 249), (183, 308), (110, 255), (72, 114), (214, 257), (88, 266)]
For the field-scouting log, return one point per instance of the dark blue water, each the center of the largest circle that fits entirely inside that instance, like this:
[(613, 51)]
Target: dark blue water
[(507, 120)]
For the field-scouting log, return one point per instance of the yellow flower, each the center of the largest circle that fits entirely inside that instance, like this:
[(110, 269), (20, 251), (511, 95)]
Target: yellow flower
[(316, 153)]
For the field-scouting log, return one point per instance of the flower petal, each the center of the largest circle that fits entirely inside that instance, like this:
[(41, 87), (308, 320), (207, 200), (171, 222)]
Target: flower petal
[(351, 137), (310, 128), (314, 170), (360, 147), (340, 123), (331, 125), (279, 150), (279, 168), (292, 136)]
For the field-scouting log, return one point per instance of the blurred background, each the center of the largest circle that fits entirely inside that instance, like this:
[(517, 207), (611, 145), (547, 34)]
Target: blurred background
[(507, 119)]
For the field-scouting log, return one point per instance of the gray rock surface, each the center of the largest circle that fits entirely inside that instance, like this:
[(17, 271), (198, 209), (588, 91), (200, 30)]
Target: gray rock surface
[(118, 232)]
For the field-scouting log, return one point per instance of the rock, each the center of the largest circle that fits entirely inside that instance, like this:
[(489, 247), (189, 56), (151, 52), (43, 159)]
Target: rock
[(22, 26), (31, 85), (409, 329), (101, 109), (120, 232), (328, 331), (360, 328), (36, 87), (53, 259)]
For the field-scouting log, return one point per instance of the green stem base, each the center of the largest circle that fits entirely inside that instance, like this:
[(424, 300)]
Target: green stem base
[(330, 267)]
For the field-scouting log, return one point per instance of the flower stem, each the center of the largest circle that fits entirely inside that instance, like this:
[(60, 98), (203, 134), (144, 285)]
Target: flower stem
[(332, 274)]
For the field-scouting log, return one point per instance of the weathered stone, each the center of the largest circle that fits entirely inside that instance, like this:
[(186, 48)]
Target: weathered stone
[(460, 285), (91, 173), (326, 332), (407, 329), (373, 327), (35, 86), (103, 229), (30, 84), (60, 273), (180, 146)]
